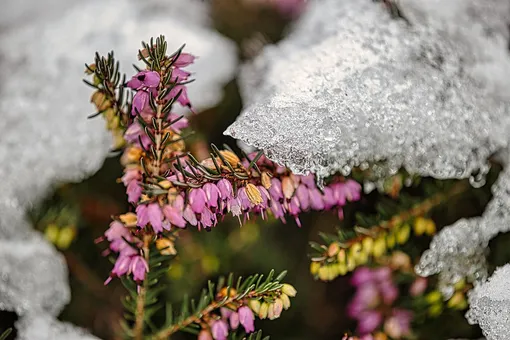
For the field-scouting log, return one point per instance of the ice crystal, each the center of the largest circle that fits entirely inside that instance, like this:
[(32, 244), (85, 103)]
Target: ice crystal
[(352, 85), (46, 138), (41, 327), (459, 250), (490, 305)]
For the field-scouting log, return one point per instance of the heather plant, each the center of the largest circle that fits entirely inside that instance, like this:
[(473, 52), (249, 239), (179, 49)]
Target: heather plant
[(171, 192)]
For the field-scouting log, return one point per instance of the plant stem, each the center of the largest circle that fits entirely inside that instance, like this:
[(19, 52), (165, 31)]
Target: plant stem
[(140, 301), (165, 333), (418, 210)]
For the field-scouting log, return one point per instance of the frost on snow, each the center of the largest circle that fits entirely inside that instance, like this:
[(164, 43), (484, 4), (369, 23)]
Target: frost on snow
[(490, 305), (351, 86), (46, 137)]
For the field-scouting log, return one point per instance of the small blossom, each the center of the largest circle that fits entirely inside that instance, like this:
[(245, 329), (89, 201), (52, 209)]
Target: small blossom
[(243, 198), (140, 101), (328, 198), (155, 217), (142, 214), (183, 96), (289, 290), (303, 197), (139, 267), (122, 265), (254, 305), (277, 209), (266, 197), (116, 231), (234, 320), (165, 246), (234, 206), (205, 335), (134, 133), (276, 190), (399, 324), (368, 321), (207, 218), (180, 124), (219, 330), (189, 215), (246, 318), (144, 79), (316, 201), (276, 309), (263, 310), (265, 180), (197, 199), (212, 193), (134, 191), (225, 189), (285, 301), (362, 276), (418, 287), (184, 60), (174, 216), (287, 187), (253, 194), (129, 219)]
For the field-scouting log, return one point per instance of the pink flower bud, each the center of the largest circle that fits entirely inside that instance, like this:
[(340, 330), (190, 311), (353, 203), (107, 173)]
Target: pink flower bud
[(212, 193), (197, 200), (139, 267), (225, 189), (246, 318), (219, 330)]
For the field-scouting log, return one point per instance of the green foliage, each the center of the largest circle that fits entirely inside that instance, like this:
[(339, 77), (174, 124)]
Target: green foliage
[(5, 334), (226, 291), (253, 336), (153, 286)]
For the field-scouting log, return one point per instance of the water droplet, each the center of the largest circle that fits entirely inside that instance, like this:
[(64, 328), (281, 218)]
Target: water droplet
[(477, 181)]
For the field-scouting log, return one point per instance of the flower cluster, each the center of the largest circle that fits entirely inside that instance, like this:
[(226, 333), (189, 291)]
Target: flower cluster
[(436, 302), (171, 189), (242, 313), (339, 258), (372, 304)]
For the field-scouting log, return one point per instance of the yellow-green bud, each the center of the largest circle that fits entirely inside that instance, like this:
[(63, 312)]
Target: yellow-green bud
[(434, 297), (391, 240), (323, 273), (51, 233), (368, 245), (458, 301), (263, 311), (314, 268), (435, 309), (275, 309), (380, 246), (403, 234), (289, 290), (420, 226), (254, 305), (65, 237), (285, 301)]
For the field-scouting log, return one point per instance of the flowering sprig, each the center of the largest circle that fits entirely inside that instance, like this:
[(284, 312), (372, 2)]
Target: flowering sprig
[(373, 303), (171, 189), (374, 236), (109, 98), (223, 309)]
